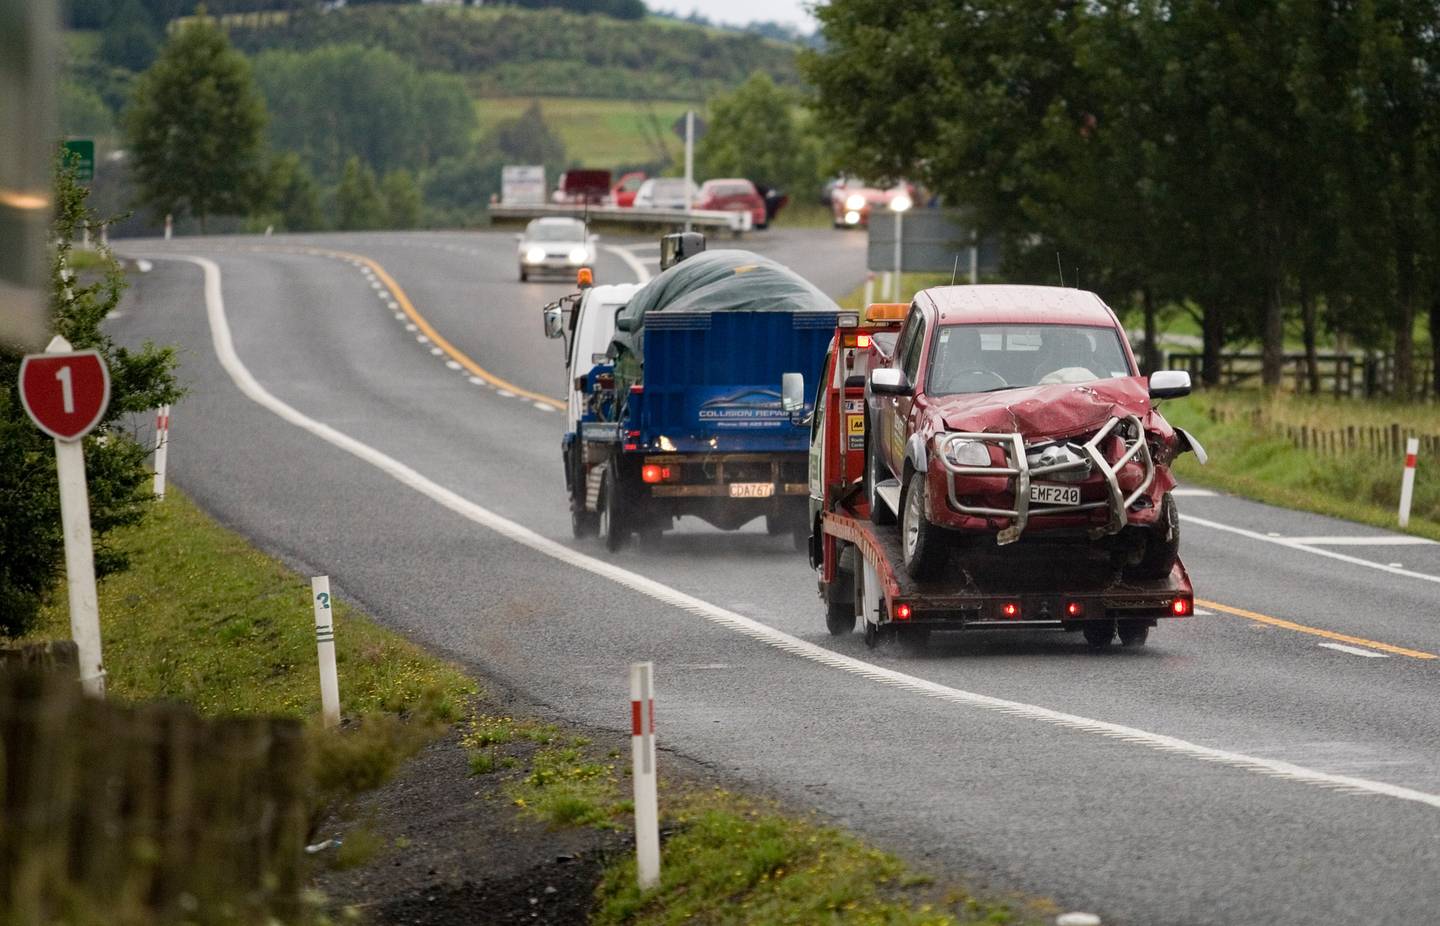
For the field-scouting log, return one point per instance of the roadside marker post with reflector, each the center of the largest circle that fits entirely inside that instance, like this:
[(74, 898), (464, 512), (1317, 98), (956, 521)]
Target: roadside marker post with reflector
[(1407, 481), (162, 448), (325, 645), (642, 759), (869, 288), (65, 392)]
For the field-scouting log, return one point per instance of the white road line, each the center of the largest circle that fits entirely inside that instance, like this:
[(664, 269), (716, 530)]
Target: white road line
[(1191, 493), (763, 633), (1387, 540), (1354, 650), (641, 274), (1293, 544)]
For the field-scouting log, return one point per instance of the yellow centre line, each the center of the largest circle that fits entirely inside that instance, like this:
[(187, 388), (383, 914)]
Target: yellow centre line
[(1316, 631), (453, 352)]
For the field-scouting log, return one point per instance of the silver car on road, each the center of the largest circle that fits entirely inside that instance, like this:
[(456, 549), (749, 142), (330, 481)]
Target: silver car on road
[(558, 246)]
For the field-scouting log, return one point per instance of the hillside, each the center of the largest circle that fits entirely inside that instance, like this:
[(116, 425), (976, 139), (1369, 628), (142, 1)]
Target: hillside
[(514, 52)]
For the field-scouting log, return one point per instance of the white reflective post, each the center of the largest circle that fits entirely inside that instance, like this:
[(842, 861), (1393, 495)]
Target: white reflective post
[(162, 448), (325, 644), (869, 289), (642, 758), (80, 564), (899, 203), (1407, 481)]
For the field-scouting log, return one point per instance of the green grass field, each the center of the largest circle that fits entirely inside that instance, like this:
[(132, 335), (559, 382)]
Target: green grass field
[(599, 133)]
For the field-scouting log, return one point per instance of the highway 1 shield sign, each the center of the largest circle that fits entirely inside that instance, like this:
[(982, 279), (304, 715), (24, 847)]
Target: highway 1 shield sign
[(65, 394)]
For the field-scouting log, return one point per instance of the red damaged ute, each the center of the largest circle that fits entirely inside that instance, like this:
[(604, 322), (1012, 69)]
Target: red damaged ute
[(1017, 413)]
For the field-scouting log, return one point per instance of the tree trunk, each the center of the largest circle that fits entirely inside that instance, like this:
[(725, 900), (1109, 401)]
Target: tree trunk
[(1435, 342), (1152, 335), (1307, 319), (1405, 324), (1213, 329), (1272, 364)]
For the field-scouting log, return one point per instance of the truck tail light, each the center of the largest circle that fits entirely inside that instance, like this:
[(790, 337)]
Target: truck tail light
[(637, 389), (1074, 609), (902, 612), (1180, 607), (1010, 609)]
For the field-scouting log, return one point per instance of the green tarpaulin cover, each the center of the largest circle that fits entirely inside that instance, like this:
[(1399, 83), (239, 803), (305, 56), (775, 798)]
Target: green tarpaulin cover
[(714, 281)]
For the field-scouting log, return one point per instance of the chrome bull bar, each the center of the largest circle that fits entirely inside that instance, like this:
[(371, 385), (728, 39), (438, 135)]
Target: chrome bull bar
[(1013, 446)]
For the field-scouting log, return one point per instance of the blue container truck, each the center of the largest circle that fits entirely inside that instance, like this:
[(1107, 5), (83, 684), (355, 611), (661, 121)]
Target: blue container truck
[(697, 405)]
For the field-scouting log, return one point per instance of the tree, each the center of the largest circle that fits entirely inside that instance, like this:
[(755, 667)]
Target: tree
[(130, 37), (294, 196), (754, 133), (402, 199), (358, 204), (527, 139), (195, 128), (31, 545)]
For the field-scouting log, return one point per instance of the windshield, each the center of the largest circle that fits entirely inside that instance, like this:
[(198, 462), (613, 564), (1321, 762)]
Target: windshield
[(549, 232), (986, 358)]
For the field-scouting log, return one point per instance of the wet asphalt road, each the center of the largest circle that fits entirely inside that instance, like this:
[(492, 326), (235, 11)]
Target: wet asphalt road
[(1236, 770)]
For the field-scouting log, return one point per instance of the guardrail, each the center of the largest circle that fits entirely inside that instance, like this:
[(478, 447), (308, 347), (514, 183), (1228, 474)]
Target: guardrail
[(735, 222)]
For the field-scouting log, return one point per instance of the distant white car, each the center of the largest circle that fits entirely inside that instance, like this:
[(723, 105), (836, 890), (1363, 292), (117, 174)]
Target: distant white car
[(558, 246), (664, 193)]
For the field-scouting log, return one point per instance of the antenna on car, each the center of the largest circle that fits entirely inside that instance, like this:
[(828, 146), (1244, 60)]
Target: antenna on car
[(1060, 267), (956, 270)]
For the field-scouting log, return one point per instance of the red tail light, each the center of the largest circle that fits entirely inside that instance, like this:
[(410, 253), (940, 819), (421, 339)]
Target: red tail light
[(637, 389), (1074, 609), (862, 340), (651, 473), (1010, 609), (902, 612), (1180, 607)]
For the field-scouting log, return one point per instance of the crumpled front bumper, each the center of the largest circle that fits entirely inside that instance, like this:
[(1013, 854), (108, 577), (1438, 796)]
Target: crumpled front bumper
[(1117, 502)]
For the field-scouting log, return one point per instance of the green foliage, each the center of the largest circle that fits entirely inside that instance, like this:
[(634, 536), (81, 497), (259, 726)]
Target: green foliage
[(755, 133), (31, 546), (402, 199), (1218, 156), (374, 104), (294, 196), (503, 51), (358, 203), (458, 189), (83, 112), (527, 139), (195, 128), (130, 39)]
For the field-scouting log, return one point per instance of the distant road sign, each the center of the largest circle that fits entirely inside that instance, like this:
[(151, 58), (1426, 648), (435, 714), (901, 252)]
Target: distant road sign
[(678, 127), (65, 394), (83, 150), (522, 184)]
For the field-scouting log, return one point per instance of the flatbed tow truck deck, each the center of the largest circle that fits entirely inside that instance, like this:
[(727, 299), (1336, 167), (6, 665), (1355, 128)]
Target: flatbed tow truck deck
[(1029, 585)]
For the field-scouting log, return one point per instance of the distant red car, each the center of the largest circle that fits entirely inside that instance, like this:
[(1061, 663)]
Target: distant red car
[(577, 187), (624, 190), (851, 201), (733, 195)]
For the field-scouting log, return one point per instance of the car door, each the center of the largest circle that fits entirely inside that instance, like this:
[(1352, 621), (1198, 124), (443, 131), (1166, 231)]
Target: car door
[(905, 404)]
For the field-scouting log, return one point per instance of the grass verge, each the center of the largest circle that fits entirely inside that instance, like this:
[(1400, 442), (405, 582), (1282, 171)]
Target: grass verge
[(204, 618), (1257, 462), (729, 859)]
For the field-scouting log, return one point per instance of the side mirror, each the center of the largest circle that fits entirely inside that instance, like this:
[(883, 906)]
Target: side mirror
[(889, 381), (1169, 384), (792, 391), (554, 324)]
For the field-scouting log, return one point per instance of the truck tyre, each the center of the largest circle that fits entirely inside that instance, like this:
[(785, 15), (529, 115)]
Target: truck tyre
[(1099, 633), (1162, 544), (922, 544), (841, 605), (879, 513), (614, 519), (1133, 633), (840, 618)]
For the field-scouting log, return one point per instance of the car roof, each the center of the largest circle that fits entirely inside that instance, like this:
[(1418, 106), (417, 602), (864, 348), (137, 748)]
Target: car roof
[(557, 220), (1014, 304)]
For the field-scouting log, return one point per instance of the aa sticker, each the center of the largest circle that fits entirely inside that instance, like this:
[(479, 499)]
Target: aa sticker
[(855, 424)]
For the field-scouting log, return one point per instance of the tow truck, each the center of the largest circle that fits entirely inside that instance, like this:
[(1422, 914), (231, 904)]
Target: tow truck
[(859, 557)]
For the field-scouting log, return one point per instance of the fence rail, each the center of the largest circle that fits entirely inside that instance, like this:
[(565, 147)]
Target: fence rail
[(1386, 442), (152, 814), (1339, 374)]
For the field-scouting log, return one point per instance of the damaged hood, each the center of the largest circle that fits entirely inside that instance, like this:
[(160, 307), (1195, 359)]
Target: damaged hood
[(1052, 411)]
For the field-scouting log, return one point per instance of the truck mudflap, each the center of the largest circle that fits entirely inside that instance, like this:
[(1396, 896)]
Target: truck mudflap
[(964, 600)]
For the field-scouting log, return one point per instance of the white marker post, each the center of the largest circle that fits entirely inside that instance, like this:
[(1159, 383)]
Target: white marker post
[(162, 448), (65, 392), (689, 162), (325, 644), (642, 758), (169, 226), (1407, 482), (869, 289)]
